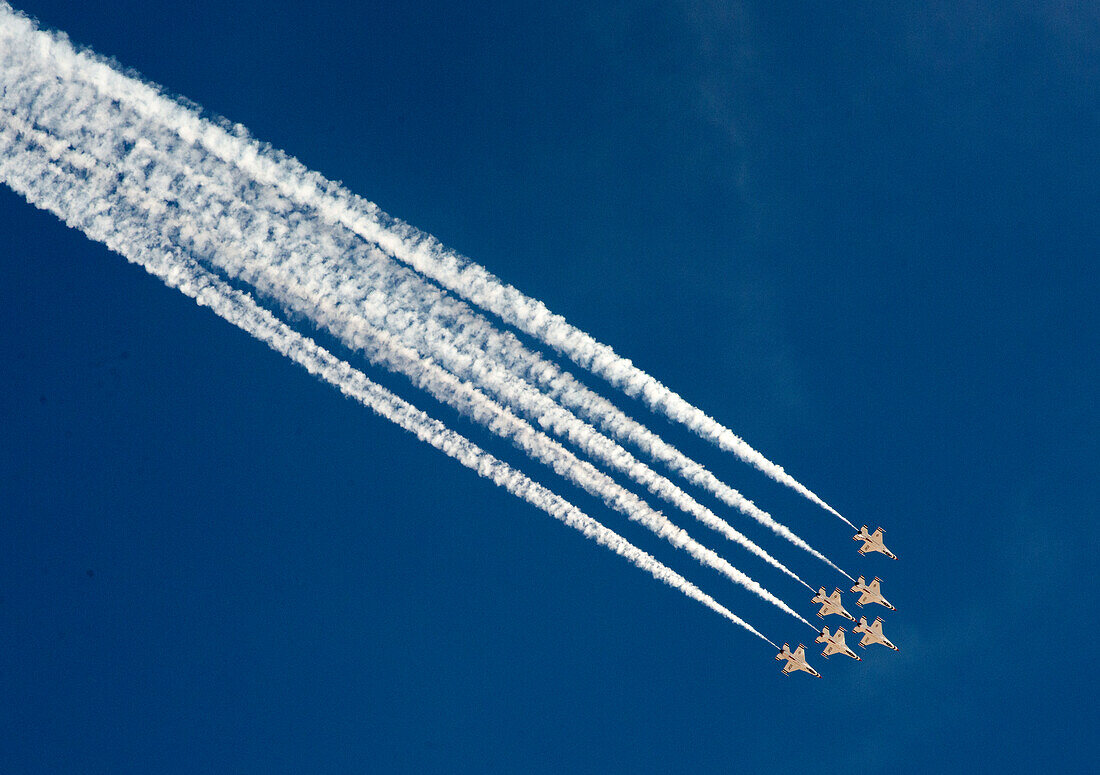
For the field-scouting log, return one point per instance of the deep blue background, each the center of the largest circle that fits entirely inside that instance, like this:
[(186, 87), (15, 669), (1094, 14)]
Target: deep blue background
[(863, 237)]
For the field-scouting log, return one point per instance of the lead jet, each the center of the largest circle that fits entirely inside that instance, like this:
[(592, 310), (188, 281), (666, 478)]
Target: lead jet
[(872, 633), (796, 661), (872, 542), (870, 593), (830, 604), (835, 644)]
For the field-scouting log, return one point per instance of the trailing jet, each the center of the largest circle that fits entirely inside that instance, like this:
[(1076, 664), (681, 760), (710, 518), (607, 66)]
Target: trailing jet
[(796, 661), (872, 542), (872, 633), (870, 593), (834, 644), (830, 604)]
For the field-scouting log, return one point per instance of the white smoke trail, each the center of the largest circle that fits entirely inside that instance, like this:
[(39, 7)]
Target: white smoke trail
[(475, 283), (309, 295), (46, 188), (411, 298), (396, 312), (471, 332), (424, 253)]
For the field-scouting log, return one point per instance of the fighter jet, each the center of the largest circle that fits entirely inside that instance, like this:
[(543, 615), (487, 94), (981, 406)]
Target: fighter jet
[(872, 542), (869, 593), (835, 644), (872, 633), (795, 661), (830, 604)]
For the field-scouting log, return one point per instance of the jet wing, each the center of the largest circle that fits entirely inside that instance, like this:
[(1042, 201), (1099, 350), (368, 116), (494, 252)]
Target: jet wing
[(800, 653), (874, 587)]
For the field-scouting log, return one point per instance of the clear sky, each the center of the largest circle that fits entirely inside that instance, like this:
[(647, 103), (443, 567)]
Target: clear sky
[(865, 238)]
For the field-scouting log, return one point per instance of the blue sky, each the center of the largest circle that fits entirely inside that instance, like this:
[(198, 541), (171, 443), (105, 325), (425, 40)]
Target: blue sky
[(864, 238)]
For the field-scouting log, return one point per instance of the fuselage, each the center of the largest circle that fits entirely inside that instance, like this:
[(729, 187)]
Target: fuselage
[(872, 542), (872, 637), (868, 595), (885, 642), (794, 663), (829, 608), (837, 643), (804, 667)]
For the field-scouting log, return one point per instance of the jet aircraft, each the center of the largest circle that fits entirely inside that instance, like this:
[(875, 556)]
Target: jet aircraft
[(872, 542), (834, 644), (870, 593), (872, 633), (795, 661), (830, 604)]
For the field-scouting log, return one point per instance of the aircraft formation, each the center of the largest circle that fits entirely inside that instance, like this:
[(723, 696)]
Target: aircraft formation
[(832, 605)]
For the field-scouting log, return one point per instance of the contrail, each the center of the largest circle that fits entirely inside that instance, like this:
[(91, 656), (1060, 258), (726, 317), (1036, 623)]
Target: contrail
[(471, 347), (426, 255), (471, 332), (475, 283), (412, 297), (396, 313), (42, 186), (309, 294)]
